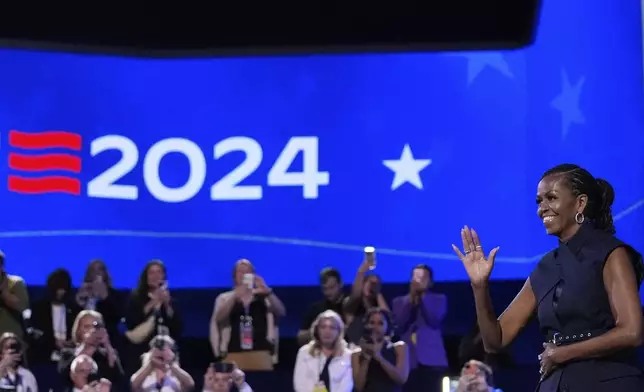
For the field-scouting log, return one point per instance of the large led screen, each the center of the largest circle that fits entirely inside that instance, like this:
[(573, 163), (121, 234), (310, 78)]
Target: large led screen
[(297, 163)]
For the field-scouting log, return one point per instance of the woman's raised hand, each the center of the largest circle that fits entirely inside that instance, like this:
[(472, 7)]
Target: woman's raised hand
[(477, 266)]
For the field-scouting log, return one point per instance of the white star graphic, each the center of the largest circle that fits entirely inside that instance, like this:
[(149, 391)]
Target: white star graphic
[(477, 62), (567, 102), (406, 169)]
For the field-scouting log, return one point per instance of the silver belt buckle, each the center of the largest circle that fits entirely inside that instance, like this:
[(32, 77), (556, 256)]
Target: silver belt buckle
[(555, 339)]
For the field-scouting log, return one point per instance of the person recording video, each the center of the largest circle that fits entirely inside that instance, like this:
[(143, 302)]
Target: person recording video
[(161, 370), (379, 365), (475, 377), (13, 374), (84, 376), (14, 299), (365, 294), (225, 377), (90, 338)]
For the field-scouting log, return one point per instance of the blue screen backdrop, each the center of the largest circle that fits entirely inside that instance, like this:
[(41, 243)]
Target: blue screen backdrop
[(395, 151)]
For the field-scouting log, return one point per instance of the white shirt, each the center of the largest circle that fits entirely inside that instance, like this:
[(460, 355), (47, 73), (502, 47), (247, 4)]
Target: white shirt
[(168, 384), (308, 368), (59, 321), (27, 381)]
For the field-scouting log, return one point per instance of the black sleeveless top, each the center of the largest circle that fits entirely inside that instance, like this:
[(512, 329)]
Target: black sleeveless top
[(572, 305), (377, 379), (257, 311)]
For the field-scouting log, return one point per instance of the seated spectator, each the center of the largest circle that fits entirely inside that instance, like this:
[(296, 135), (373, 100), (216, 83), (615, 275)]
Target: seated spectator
[(324, 363), (476, 377), (225, 377), (53, 315), (14, 299), (12, 372), (161, 370), (83, 373), (96, 293), (365, 294), (91, 339), (418, 317), (332, 286), (379, 365), (245, 318), (152, 311)]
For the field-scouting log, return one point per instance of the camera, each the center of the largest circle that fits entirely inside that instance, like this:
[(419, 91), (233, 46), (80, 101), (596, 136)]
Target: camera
[(16, 347), (98, 325), (159, 344)]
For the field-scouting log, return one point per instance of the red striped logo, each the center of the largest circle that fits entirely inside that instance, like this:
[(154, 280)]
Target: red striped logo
[(43, 162)]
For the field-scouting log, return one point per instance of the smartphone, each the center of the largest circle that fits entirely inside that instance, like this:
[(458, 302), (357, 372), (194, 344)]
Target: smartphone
[(449, 384), (15, 347), (224, 367), (370, 256), (249, 280)]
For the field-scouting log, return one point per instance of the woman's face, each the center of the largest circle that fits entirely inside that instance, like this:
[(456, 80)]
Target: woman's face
[(6, 346), (95, 270), (378, 325), (155, 276), (328, 331), (242, 269), (370, 287), (557, 206), (85, 327)]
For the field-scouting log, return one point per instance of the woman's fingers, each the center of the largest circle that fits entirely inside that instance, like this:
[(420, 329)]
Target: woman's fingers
[(476, 241), (458, 252)]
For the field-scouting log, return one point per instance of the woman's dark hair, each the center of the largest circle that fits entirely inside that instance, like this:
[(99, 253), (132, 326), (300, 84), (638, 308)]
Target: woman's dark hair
[(599, 192), (57, 280), (142, 287), (88, 271)]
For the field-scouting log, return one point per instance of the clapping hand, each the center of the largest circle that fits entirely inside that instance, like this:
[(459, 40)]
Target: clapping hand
[(477, 266)]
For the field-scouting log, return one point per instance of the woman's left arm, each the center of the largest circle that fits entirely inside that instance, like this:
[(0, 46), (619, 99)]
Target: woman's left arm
[(186, 381), (400, 371), (276, 305), (621, 285)]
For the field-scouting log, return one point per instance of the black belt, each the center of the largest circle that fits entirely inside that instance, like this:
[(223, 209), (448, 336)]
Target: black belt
[(560, 339)]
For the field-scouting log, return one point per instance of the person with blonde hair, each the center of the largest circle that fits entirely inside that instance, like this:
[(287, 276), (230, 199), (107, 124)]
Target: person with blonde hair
[(324, 364)]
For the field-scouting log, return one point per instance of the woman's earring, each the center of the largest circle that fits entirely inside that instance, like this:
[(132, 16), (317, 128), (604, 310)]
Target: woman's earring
[(579, 218)]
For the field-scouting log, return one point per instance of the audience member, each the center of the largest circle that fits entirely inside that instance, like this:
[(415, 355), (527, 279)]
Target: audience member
[(471, 347), (379, 365), (418, 317), (90, 338), (225, 377), (325, 362), (13, 301), (332, 286), (97, 293), (245, 318), (161, 370), (475, 377), (84, 376), (53, 315), (13, 374), (151, 312), (365, 294)]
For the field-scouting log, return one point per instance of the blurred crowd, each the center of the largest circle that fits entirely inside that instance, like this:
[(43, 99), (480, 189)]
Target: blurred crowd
[(100, 341)]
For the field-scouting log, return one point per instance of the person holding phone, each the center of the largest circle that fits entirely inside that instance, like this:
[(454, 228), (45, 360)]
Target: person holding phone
[(97, 293), (379, 365), (12, 371), (91, 339), (85, 377), (151, 311), (365, 294), (418, 317), (14, 299), (161, 370), (245, 318), (225, 377)]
